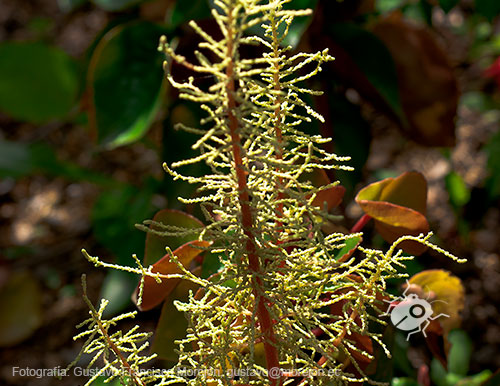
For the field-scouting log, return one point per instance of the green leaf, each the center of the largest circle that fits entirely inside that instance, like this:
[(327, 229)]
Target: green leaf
[(172, 324), (460, 352), (447, 5), (125, 78), (299, 24), (211, 264), (117, 288), (155, 244), (438, 373), (116, 5), (114, 216), (20, 308), (458, 192), (373, 59), (385, 6), (37, 82), (404, 382), (352, 138), (184, 11), (494, 380), (350, 246)]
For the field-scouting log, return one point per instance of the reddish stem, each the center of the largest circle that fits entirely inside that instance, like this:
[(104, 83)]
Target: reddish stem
[(263, 316), (361, 223)]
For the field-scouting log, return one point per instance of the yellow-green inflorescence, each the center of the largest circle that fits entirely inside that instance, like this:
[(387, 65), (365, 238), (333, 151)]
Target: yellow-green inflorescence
[(258, 204)]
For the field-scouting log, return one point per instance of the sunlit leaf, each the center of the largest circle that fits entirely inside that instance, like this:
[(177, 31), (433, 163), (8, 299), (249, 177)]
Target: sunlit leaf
[(447, 290), (398, 206), (20, 308), (125, 79), (37, 82), (154, 292), (350, 246)]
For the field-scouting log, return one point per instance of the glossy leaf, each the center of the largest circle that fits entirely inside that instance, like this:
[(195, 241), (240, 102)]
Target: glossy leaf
[(449, 292), (154, 292), (125, 81), (155, 244), (430, 106), (361, 56), (37, 82), (20, 308), (398, 206)]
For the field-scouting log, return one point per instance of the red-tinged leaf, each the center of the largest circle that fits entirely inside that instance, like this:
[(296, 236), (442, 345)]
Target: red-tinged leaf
[(426, 79), (155, 245), (332, 196), (398, 206), (154, 292)]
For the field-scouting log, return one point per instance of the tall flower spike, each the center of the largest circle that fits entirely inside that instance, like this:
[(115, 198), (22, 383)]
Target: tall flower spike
[(281, 275)]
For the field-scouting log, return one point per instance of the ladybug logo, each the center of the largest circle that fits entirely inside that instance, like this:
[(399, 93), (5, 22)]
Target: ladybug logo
[(412, 313)]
